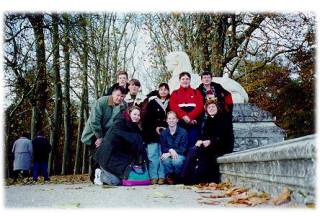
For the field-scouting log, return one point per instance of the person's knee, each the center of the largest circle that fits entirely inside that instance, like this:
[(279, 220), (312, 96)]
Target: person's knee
[(152, 152), (178, 162)]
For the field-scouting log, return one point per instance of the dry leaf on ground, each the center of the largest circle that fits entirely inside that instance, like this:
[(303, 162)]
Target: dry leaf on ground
[(283, 197), (235, 191)]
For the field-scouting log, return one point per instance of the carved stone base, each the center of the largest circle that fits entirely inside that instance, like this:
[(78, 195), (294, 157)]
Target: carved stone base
[(254, 127)]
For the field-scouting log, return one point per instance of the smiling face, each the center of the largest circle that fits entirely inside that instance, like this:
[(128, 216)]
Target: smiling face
[(122, 79), (172, 120), (135, 115), (117, 97), (184, 81), (163, 92), (206, 79), (133, 89), (212, 109)]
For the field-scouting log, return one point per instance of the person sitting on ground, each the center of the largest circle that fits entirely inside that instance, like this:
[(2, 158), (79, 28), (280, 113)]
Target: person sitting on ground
[(100, 120), (122, 81), (174, 142), (201, 163), (121, 146), (22, 150), (152, 124), (41, 151)]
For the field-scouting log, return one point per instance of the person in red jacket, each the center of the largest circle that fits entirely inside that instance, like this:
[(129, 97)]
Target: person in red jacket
[(188, 104)]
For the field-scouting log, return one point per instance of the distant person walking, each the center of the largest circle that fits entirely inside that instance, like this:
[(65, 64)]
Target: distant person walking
[(22, 150), (41, 151)]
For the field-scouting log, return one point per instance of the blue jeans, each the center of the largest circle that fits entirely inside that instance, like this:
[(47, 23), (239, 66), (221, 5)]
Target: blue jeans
[(156, 169), (173, 166), (108, 178), (43, 166)]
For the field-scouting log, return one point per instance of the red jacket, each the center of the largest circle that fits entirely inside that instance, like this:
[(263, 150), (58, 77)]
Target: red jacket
[(185, 98)]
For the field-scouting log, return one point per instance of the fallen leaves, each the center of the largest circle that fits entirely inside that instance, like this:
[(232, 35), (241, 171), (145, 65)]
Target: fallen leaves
[(234, 195), (67, 179), (283, 197), (250, 198)]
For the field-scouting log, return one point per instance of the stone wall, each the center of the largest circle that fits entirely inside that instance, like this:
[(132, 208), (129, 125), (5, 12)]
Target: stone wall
[(272, 167), (254, 127)]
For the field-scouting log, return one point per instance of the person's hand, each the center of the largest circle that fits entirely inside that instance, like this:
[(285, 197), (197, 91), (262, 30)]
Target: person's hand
[(198, 143), (159, 129), (186, 119), (165, 156), (193, 122), (174, 154), (98, 142), (206, 143)]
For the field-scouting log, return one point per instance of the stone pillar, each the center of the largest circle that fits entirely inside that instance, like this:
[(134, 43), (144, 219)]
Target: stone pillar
[(254, 127), (272, 167)]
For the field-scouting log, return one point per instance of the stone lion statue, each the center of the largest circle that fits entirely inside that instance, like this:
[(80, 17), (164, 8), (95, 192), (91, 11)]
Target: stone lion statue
[(179, 61)]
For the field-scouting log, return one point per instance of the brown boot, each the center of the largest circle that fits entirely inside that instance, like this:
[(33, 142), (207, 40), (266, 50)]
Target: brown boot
[(170, 180), (161, 181), (154, 181)]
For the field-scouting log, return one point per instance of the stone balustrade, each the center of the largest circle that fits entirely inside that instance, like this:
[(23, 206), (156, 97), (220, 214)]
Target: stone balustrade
[(270, 168)]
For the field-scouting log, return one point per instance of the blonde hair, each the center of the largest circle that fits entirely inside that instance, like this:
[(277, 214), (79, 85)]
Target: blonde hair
[(172, 112)]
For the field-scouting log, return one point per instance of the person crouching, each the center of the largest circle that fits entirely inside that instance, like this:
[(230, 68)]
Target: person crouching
[(174, 142)]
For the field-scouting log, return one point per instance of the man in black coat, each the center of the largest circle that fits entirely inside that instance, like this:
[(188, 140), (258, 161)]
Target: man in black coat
[(41, 151)]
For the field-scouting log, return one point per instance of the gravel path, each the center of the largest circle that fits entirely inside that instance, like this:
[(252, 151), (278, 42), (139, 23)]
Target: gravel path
[(93, 196), (87, 195)]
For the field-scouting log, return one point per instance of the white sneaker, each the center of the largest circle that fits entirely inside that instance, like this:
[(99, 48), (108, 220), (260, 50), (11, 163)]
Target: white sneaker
[(97, 174)]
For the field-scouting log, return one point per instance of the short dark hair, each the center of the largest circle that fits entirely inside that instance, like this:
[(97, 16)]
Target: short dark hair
[(135, 82), (122, 73), (40, 133), (184, 74), (26, 134), (206, 73), (119, 88), (164, 85)]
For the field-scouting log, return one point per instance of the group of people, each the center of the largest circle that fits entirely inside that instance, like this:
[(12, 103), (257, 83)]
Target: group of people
[(31, 155), (179, 135)]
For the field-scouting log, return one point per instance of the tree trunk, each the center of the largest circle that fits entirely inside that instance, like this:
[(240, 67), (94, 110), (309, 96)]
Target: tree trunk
[(67, 113), (84, 96), (41, 91), (217, 45), (57, 118)]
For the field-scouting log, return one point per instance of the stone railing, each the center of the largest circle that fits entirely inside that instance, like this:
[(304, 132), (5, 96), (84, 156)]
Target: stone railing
[(270, 168)]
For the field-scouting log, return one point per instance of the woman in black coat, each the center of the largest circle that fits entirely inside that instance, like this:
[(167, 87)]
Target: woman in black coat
[(201, 164), (153, 122), (121, 146)]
